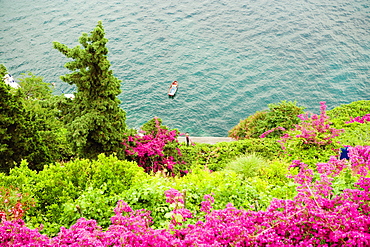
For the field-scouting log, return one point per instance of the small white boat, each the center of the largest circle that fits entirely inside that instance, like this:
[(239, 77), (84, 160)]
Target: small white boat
[(173, 88)]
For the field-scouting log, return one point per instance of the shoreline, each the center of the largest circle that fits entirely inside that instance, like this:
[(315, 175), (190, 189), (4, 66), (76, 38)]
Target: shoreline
[(208, 140)]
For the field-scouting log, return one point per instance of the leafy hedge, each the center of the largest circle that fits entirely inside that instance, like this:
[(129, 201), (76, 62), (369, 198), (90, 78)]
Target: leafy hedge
[(216, 156), (355, 132), (66, 191), (283, 114), (83, 188), (343, 113)]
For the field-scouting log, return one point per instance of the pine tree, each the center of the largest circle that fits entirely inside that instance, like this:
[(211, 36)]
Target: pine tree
[(96, 122)]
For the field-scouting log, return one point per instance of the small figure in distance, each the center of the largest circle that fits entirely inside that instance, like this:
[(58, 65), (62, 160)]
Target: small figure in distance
[(344, 153), (187, 138)]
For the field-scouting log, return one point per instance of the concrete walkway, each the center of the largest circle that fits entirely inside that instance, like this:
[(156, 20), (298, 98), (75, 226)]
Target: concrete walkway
[(209, 140)]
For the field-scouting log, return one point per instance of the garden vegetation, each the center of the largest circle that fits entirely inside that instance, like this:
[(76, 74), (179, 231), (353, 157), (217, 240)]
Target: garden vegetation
[(73, 173)]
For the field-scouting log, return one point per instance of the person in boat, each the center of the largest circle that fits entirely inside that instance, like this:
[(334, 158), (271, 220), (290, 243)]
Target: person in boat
[(172, 89)]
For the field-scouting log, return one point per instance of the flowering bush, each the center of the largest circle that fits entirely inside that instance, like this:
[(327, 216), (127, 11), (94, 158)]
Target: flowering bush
[(179, 213), (156, 150), (207, 204), (312, 139), (360, 160), (315, 217), (314, 129), (360, 119), (13, 205)]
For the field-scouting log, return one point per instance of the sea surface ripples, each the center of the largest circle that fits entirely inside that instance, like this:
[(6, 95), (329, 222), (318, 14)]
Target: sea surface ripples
[(231, 58)]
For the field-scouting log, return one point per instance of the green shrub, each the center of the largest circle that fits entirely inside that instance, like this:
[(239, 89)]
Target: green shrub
[(247, 165), (153, 125), (283, 114), (93, 203), (275, 172), (343, 113), (355, 134), (310, 155), (216, 156), (84, 188), (247, 128), (21, 177), (60, 186)]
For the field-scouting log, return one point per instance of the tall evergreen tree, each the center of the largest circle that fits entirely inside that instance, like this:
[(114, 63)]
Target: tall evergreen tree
[(96, 124)]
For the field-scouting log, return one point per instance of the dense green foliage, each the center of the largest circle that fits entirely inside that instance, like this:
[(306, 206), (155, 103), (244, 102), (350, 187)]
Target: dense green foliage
[(3, 71), (19, 135), (283, 114), (216, 156), (34, 88), (44, 111), (343, 113), (247, 128), (355, 133), (95, 122), (65, 192), (90, 189)]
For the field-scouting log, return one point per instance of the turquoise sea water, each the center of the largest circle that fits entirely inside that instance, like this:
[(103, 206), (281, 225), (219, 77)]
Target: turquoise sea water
[(231, 58)]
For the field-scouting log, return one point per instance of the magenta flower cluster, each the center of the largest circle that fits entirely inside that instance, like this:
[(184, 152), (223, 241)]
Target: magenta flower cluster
[(206, 205), (315, 217), (360, 119), (174, 196), (270, 131), (313, 130), (179, 214), (148, 150), (360, 160)]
